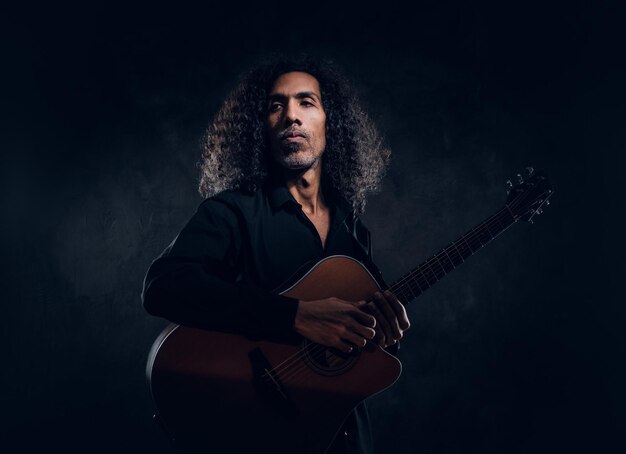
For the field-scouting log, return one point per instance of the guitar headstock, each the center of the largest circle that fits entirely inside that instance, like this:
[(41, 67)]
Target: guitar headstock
[(529, 196)]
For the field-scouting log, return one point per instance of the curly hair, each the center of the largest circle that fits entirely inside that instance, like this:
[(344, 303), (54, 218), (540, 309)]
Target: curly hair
[(235, 148)]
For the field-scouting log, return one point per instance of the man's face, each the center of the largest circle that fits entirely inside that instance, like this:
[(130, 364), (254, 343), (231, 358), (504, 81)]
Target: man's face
[(296, 121)]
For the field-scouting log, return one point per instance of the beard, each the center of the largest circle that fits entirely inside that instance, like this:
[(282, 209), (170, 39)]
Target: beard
[(296, 156), (290, 147)]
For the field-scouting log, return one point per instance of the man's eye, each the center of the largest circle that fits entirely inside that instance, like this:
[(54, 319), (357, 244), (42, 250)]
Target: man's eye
[(274, 107), (306, 103)]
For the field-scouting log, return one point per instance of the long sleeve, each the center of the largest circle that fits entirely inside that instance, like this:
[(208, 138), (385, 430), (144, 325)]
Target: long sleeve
[(194, 281)]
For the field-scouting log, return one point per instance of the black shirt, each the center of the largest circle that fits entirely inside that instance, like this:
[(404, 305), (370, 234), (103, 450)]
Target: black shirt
[(225, 268)]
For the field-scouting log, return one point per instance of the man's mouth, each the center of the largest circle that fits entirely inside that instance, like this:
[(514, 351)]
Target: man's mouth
[(293, 136)]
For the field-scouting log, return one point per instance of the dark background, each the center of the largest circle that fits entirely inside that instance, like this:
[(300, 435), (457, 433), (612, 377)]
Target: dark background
[(522, 350)]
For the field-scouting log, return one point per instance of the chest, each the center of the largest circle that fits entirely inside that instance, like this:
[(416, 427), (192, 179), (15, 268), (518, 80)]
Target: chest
[(321, 222), (282, 244)]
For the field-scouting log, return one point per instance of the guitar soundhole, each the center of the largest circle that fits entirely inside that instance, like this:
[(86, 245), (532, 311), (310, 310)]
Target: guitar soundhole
[(328, 361)]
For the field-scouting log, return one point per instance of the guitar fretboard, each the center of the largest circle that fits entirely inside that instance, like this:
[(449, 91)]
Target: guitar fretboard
[(432, 270)]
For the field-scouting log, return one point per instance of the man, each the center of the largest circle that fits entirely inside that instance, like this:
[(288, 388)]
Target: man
[(287, 164)]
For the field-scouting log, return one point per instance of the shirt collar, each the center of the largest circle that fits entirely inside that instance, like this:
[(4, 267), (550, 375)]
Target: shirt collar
[(279, 195)]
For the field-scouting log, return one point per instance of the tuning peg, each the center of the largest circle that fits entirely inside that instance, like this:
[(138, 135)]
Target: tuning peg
[(520, 178), (529, 171), (547, 202), (509, 184), (538, 211)]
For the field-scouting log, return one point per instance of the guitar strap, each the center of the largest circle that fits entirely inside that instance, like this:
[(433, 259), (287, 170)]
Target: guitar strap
[(363, 239)]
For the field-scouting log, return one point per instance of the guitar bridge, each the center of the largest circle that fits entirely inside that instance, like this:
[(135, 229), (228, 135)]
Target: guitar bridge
[(268, 384)]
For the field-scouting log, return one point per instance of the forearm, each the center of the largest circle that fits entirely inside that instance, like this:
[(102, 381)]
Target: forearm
[(187, 294)]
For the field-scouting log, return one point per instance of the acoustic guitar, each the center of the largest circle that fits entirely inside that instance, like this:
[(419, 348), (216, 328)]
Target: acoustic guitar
[(221, 392)]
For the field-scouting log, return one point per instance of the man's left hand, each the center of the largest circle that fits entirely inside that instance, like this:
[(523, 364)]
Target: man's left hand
[(390, 316)]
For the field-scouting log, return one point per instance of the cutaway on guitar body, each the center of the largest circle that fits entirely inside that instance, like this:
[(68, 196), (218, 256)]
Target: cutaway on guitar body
[(220, 392)]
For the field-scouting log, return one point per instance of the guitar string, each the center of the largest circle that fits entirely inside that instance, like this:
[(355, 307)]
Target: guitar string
[(409, 276), (399, 287), (289, 373), (473, 243), (509, 207), (404, 284)]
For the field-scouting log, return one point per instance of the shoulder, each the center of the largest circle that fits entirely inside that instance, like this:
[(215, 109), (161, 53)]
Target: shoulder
[(231, 198), (358, 227), (233, 203)]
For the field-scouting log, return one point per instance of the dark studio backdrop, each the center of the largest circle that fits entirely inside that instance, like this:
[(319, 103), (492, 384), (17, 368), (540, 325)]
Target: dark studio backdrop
[(520, 351)]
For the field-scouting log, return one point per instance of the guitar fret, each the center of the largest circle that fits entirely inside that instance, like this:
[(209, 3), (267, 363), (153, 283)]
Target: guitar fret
[(467, 246), (178, 356), (424, 273), (415, 279), (440, 266), (477, 237), (486, 226), (457, 252), (401, 289), (424, 276), (497, 218), (487, 235), (410, 289), (444, 255), (401, 295)]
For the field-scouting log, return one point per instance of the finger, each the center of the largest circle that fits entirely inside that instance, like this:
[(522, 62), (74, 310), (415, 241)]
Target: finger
[(344, 347), (399, 309), (353, 338), (384, 342), (337, 343), (382, 328), (379, 339), (340, 344), (362, 323), (363, 317), (385, 307), (363, 331)]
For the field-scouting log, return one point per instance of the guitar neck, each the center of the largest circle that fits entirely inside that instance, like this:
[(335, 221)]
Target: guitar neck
[(431, 271)]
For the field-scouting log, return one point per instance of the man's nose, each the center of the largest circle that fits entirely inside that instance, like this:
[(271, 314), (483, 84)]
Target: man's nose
[(292, 114)]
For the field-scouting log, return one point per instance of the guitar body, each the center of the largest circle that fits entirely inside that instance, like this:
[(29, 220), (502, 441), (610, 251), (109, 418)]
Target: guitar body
[(219, 392)]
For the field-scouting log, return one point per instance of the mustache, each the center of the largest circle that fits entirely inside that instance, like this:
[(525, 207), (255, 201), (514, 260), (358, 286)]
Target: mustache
[(291, 132)]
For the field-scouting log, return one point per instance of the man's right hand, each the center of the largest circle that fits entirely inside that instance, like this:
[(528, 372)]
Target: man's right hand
[(335, 323)]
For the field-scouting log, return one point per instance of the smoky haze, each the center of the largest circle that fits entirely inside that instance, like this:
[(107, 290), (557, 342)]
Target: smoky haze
[(518, 351)]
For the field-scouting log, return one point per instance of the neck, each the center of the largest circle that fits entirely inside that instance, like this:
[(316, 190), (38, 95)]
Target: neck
[(305, 186), (424, 276)]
